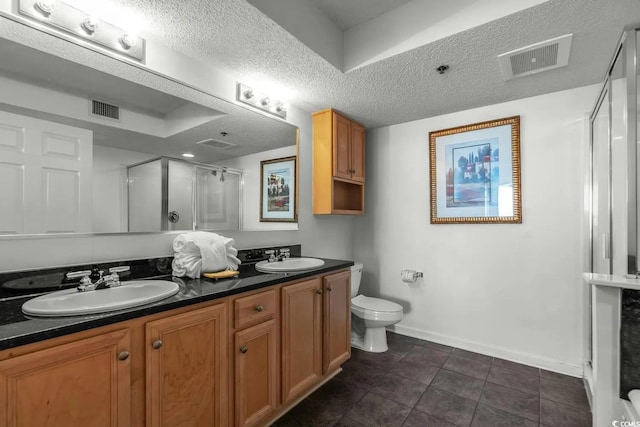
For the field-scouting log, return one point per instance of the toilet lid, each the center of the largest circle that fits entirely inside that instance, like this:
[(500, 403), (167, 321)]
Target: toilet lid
[(375, 304)]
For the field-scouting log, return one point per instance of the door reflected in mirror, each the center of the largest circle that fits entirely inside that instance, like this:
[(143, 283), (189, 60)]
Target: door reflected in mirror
[(82, 151)]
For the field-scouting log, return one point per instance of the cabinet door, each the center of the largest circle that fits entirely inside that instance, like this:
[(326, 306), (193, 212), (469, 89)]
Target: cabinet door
[(187, 369), (341, 147), (337, 320), (83, 383), (301, 337), (357, 152), (255, 373)]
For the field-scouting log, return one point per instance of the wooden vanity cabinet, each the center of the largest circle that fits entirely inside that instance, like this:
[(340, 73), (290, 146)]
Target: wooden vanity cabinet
[(338, 164), (186, 369), (337, 320), (242, 360), (301, 337), (81, 383), (256, 385), (255, 355), (316, 331)]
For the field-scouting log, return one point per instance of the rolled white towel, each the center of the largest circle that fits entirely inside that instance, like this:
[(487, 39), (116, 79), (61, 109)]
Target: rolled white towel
[(186, 265), (203, 252)]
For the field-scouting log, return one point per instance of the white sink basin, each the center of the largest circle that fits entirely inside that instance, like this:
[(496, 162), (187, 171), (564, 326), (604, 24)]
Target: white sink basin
[(289, 265), (71, 302)]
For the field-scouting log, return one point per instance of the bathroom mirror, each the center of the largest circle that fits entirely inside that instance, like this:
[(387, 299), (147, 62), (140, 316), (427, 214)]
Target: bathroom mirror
[(68, 134)]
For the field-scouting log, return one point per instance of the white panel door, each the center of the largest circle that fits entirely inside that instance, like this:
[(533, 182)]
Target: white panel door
[(47, 167)]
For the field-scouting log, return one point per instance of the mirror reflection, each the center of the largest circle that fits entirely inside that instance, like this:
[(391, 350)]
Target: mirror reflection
[(82, 151)]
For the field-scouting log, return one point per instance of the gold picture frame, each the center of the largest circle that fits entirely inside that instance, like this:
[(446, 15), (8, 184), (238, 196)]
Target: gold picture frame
[(278, 190), (475, 173)]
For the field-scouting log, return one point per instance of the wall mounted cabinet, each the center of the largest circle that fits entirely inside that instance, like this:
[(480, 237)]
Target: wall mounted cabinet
[(338, 164)]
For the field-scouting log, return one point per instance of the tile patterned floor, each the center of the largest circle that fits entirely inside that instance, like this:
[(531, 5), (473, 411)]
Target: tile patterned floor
[(423, 384)]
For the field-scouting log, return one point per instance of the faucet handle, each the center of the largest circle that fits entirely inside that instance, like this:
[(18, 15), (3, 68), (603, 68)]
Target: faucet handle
[(78, 274), (112, 280), (272, 255), (284, 252), (119, 269)]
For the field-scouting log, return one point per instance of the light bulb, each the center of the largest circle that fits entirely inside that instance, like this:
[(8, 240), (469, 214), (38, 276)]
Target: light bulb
[(128, 41), (45, 7), (90, 24)]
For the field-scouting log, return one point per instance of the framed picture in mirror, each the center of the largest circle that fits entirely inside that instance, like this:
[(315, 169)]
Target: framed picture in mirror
[(278, 190), (475, 173)]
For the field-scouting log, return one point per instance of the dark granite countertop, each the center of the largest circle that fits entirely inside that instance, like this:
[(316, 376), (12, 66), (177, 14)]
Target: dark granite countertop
[(18, 329)]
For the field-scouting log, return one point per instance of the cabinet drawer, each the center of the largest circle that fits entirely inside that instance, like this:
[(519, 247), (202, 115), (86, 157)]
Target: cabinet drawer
[(254, 308)]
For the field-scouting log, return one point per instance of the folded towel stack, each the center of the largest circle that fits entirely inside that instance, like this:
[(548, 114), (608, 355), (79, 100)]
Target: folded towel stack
[(201, 252)]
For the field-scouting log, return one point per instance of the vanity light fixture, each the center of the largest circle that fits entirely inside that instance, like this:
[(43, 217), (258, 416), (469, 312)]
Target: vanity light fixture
[(76, 23), (189, 155), (261, 101)]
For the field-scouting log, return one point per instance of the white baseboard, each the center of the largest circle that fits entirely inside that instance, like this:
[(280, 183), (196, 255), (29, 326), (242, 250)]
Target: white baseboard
[(489, 350), (588, 381)]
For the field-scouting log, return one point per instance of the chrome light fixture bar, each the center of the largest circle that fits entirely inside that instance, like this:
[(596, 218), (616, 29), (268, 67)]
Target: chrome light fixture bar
[(261, 101), (58, 14)]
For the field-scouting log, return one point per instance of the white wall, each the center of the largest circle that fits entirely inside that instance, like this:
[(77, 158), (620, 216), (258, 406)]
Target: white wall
[(510, 290)]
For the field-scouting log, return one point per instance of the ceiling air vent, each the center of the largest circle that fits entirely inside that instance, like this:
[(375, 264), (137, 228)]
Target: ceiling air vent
[(216, 143), (536, 58), (104, 110)]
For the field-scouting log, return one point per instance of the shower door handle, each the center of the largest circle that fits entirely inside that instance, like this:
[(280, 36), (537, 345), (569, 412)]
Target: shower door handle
[(173, 216)]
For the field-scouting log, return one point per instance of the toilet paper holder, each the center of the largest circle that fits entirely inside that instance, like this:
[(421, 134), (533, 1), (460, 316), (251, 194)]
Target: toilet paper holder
[(411, 276)]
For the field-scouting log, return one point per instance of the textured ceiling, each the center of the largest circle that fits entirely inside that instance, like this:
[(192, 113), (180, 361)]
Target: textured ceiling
[(347, 14), (236, 36)]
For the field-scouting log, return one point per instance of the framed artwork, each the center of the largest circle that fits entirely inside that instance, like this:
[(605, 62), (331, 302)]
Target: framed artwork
[(475, 173), (278, 190)]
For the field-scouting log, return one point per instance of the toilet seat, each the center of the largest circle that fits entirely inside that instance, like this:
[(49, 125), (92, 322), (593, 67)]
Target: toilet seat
[(369, 308)]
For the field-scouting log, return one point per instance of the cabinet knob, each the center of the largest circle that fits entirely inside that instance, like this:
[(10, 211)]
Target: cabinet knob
[(124, 355), (156, 344), (319, 292), (243, 349), (259, 308), (329, 288)]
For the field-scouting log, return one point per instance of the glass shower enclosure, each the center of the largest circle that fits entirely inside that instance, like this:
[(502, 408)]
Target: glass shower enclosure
[(613, 194), (167, 194)]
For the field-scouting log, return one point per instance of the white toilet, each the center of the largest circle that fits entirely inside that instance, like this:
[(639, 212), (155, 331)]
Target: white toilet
[(370, 316)]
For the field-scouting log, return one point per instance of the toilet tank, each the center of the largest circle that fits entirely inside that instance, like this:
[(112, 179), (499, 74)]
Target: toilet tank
[(356, 276)]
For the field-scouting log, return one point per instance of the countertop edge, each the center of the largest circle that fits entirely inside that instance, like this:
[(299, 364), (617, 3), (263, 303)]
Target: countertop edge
[(613, 281)]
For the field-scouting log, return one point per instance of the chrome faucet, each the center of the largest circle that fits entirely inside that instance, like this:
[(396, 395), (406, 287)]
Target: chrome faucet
[(282, 254), (93, 280)]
